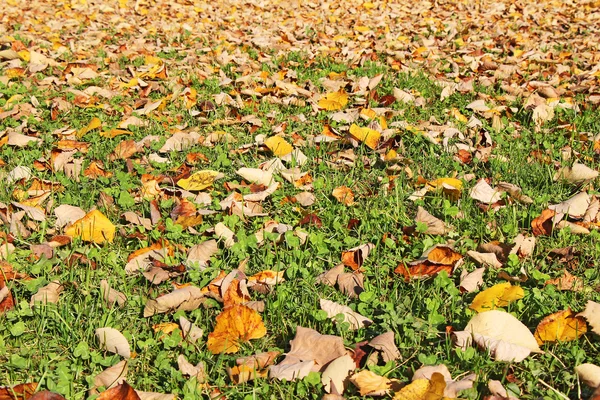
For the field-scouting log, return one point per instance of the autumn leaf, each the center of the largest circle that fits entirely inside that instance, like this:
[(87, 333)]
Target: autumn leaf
[(93, 227), (199, 180), (369, 137), (561, 326), (371, 384), (94, 123), (344, 195), (278, 146), (334, 101), (423, 389), (499, 295), (235, 325)]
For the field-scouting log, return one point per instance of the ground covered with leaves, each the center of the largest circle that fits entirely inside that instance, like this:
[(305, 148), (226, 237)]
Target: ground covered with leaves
[(292, 199)]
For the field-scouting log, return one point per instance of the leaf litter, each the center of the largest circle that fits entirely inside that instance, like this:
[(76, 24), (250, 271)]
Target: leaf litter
[(124, 75)]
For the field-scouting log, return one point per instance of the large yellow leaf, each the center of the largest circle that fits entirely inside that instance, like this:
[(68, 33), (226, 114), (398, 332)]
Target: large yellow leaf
[(334, 101), (369, 137), (199, 180), (562, 326), (93, 227), (424, 389), (235, 324), (497, 296), (278, 146)]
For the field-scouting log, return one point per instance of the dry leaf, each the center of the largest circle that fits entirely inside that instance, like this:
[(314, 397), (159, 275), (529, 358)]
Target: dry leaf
[(235, 324), (499, 295), (577, 174), (384, 343), (369, 137), (48, 293), (567, 282), (485, 259), (423, 389), (452, 387), (355, 257), (561, 326), (113, 341), (355, 320), (190, 331), (484, 193), (244, 373), (435, 226), (187, 298), (199, 180), (542, 225), (589, 374), (111, 296), (111, 376), (202, 252), (18, 392), (335, 376), (278, 146), (592, 314), (470, 282), (344, 195), (93, 227), (119, 392), (226, 234), (334, 101), (256, 175), (370, 384), (504, 336)]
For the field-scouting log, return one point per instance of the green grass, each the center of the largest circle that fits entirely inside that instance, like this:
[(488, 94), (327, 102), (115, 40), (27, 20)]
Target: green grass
[(55, 344)]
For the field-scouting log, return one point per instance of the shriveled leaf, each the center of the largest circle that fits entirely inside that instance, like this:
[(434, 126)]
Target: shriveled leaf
[(567, 282), (351, 283), (543, 224), (292, 371), (18, 392), (561, 326), (93, 227), (187, 298), (355, 320), (235, 325), (356, 256), (499, 295), (371, 384), (110, 295), (113, 341)]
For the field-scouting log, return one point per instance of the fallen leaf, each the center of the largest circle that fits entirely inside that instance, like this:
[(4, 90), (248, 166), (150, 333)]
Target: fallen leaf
[(384, 344), (452, 387), (470, 282), (199, 180), (592, 314), (335, 375), (344, 195), (235, 324), (567, 282), (484, 193), (334, 101), (187, 298), (244, 373), (369, 137), (435, 226), (371, 384), (485, 259), (110, 295), (113, 341), (499, 295), (48, 293), (504, 336), (356, 256), (93, 227), (577, 174), (111, 376), (190, 331), (561, 326), (354, 319), (589, 374), (94, 123), (119, 392), (423, 389), (278, 146), (542, 225)]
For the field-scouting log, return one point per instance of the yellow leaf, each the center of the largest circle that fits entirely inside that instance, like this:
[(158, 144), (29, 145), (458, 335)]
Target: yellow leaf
[(278, 146), (25, 56), (424, 389), (94, 123), (165, 327), (369, 137), (450, 186), (115, 132), (457, 114), (235, 324), (371, 384), (562, 326), (497, 296), (199, 180), (369, 113), (93, 227), (334, 101)]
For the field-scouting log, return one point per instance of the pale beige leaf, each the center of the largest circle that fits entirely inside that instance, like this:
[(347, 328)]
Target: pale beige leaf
[(48, 294), (292, 371), (485, 259), (592, 315), (575, 207), (403, 96), (20, 140), (188, 369), (113, 341), (498, 391), (187, 298), (305, 199), (202, 252), (154, 396), (577, 174), (190, 331), (515, 192), (112, 376), (135, 219), (478, 105), (110, 295), (524, 246), (351, 283), (180, 141), (330, 277), (385, 344), (589, 374), (226, 234), (506, 338), (34, 213), (353, 318), (256, 175), (435, 226), (484, 193), (335, 376), (574, 228), (18, 173), (470, 282)]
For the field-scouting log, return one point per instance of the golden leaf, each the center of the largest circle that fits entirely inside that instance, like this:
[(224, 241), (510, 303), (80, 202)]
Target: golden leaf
[(497, 296), (371, 384), (235, 324), (199, 180), (344, 195), (115, 132), (278, 146), (423, 389), (562, 326), (93, 227), (244, 373), (334, 101), (94, 123), (369, 137)]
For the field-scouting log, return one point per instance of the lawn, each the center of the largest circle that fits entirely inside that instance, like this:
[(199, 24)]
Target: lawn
[(282, 200)]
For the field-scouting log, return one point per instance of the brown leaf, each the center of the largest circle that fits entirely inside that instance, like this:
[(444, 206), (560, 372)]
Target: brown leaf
[(120, 392), (18, 392), (355, 257), (566, 282), (542, 225), (46, 395)]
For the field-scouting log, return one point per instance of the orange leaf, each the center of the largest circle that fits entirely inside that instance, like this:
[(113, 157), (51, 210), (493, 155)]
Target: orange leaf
[(344, 195), (235, 324), (93, 227), (18, 392), (120, 392), (562, 326), (542, 225), (234, 294), (424, 269), (443, 255)]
